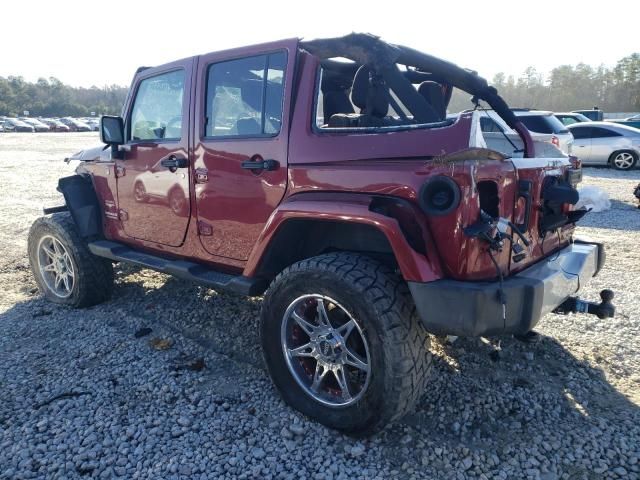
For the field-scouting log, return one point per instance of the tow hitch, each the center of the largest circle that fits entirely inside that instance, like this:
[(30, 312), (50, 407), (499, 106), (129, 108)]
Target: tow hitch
[(604, 309)]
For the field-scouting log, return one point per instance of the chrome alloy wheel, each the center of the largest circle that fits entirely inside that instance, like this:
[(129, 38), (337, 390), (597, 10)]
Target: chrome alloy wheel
[(56, 267), (325, 350), (623, 160)]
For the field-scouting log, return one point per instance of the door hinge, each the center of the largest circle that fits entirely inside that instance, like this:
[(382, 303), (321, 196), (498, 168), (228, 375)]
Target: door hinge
[(202, 175), (205, 229), (123, 215), (119, 169)]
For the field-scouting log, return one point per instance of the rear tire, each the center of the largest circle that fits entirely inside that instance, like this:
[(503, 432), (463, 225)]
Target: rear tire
[(623, 160), (388, 339), (65, 270)]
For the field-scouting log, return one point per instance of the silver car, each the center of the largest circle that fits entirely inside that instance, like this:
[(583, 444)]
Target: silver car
[(606, 143)]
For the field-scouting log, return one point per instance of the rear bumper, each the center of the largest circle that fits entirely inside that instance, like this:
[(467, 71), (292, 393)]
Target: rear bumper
[(451, 307)]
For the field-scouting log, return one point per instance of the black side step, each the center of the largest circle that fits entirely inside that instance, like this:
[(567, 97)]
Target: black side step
[(179, 268)]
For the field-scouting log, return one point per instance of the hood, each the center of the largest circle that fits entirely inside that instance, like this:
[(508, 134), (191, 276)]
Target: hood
[(101, 152)]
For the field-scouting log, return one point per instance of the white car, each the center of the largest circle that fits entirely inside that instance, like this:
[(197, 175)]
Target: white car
[(607, 143), (496, 132), (540, 121)]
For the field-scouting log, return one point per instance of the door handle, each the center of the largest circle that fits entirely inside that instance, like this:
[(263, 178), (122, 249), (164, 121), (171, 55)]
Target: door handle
[(268, 165), (173, 163)]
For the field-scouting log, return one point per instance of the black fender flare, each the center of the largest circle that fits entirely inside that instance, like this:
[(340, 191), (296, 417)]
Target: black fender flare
[(82, 202)]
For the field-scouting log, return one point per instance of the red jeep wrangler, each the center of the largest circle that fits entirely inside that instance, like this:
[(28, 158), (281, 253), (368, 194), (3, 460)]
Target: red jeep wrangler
[(327, 176)]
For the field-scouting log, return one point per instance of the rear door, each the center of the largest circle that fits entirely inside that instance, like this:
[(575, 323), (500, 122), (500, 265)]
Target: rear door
[(153, 195), (241, 132)]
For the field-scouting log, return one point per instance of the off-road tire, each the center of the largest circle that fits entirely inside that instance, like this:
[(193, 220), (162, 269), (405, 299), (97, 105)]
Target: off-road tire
[(93, 282), (379, 300)]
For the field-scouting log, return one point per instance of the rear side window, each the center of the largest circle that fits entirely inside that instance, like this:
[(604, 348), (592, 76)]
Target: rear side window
[(543, 123), (245, 96), (598, 132), (157, 110)]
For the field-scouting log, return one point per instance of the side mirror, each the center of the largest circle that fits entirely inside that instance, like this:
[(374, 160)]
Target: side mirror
[(112, 130), (112, 133)]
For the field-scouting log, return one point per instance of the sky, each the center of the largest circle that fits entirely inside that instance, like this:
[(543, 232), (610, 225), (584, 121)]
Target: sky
[(86, 43)]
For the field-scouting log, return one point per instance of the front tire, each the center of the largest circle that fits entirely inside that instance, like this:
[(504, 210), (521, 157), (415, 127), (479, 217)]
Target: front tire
[(623, 160), (343, 343), (64, 269)]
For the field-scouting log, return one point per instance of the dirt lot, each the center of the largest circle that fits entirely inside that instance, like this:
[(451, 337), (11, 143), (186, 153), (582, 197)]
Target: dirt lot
[(82, 396)]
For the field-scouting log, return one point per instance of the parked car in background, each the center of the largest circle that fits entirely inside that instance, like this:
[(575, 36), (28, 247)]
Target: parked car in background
[(629, 122), (569, 118), (606, 143), (94, 123), (501, 137), (36, 124), (595, 114), (75, 125), (1, 125), (540, 121), (15, 125), (55, 125)]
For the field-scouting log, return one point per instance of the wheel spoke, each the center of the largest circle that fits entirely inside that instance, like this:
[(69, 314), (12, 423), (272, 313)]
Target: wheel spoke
[(304, 323), (49, 252), (354, 360), (347, 328), (58, 280), (56, 248), (305, 350), (66, 281), (323, 318), (341, 378), (318, 376), (50, 268)]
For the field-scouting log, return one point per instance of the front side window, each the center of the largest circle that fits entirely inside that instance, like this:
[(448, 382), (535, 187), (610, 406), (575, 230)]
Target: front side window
[(245, 96), (581, 132), (157, 110)]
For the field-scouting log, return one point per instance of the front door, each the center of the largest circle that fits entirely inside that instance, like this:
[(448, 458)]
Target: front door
[(240, 154), (582, 143), (153, 176)]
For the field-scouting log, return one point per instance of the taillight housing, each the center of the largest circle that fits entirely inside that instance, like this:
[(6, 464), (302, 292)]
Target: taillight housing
[(555, 141)]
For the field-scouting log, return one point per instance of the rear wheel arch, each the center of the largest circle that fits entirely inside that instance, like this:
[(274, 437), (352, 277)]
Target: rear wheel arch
[(301, 238)]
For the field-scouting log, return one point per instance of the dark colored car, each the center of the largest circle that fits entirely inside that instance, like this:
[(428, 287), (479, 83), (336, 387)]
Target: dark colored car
[(55, 125), (15, 125), (36, 124), (75, 125), (633, 121), (342, 193)]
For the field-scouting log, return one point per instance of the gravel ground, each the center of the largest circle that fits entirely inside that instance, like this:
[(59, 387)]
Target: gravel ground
[(91, 393)]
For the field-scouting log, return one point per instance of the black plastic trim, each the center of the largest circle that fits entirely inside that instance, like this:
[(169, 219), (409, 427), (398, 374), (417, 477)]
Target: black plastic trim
[(186, 270), (82, 202)]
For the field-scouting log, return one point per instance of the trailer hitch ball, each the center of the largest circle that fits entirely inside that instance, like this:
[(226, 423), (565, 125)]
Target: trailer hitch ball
[(604, 309)]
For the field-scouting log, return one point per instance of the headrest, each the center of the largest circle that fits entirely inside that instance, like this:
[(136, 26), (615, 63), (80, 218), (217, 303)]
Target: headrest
[(369, 93), (434, 94), (251, 92)]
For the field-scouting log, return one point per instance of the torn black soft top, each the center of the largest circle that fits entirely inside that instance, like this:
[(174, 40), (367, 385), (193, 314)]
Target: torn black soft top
[(367, 49)]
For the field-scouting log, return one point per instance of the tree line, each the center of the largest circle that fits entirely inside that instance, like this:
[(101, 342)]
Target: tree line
[(52, 98), (570, 87), (567, 87)]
